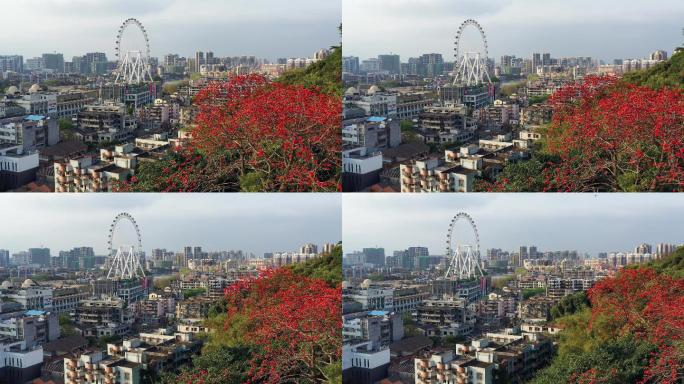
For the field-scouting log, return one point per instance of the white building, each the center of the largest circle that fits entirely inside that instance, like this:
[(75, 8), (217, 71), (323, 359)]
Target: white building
[(361, 168), (17, 167), (19, 364), (29, 294), (364, 363), (447, 367)]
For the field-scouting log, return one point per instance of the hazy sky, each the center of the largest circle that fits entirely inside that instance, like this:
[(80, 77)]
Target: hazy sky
[(583, 222), (251, 222), (265, 28), (604, 29)]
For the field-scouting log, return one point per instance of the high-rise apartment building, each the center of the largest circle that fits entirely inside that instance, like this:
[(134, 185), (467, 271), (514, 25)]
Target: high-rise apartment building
[(54, 61), (40, 256), (199, 60), (390, 63), (350, 64), (375, 256), (4, 258), (13, 63), (536, 61), (643, 249), (308, 249)]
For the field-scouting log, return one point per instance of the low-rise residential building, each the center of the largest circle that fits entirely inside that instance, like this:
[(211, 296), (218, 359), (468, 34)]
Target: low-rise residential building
[(380, 327), (447, 367), (33, 327), (94, 367), (364, 363), (371, 132), (92, 174), (435, 175), (19, 363), (31, 132), (361, 168), (17, 167), (105, 123)]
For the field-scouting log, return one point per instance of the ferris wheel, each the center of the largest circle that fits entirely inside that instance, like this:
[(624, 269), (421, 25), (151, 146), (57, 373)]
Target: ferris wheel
[(133, 67), (126, 258), (463, 259), (472, 66)]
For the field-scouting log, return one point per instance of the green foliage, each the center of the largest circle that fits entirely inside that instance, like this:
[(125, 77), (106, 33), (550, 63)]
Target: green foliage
[(333, 372), (617, 361), (66, 326), (509, 89), (224, 365), (325, 74), (376, 277), (531, 292), (570, 305), (66, 129), (406, 126), (502, 282), (408, 131), (327, 267), (217, 308), (164, 282), (410, 329), (253, 182), (103, 341), (523, 176), (172, 87), (538, 99), (188, 293), (669, 73), (672, 265)]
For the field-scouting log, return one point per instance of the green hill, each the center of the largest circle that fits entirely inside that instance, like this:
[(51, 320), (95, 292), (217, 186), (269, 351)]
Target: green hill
[(327, 267), (325, 74), (672, 265), (669, 73)]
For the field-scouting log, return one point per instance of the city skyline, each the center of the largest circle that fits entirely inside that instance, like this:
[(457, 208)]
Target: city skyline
[(259, 223), (513, 27), (582, 222), (296, 29)]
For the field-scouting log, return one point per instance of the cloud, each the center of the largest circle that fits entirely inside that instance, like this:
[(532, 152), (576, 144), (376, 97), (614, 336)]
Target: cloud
[(607, 29), (590, 223), (265, 28), (254, 222)]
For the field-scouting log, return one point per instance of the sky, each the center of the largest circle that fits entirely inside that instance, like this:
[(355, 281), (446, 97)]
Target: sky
[(583, 222), (264, 28), (250, 222), (604, 29)]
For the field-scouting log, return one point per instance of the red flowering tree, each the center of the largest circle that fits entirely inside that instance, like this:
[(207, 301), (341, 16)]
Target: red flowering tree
[(614, 136), (254, 135), (294, 323), (649, 306), (605, 135)]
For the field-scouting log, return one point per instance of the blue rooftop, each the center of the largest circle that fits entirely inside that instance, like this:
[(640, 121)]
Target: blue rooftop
[(34, 312), (34, 117), (376, 119), (378, 313)]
